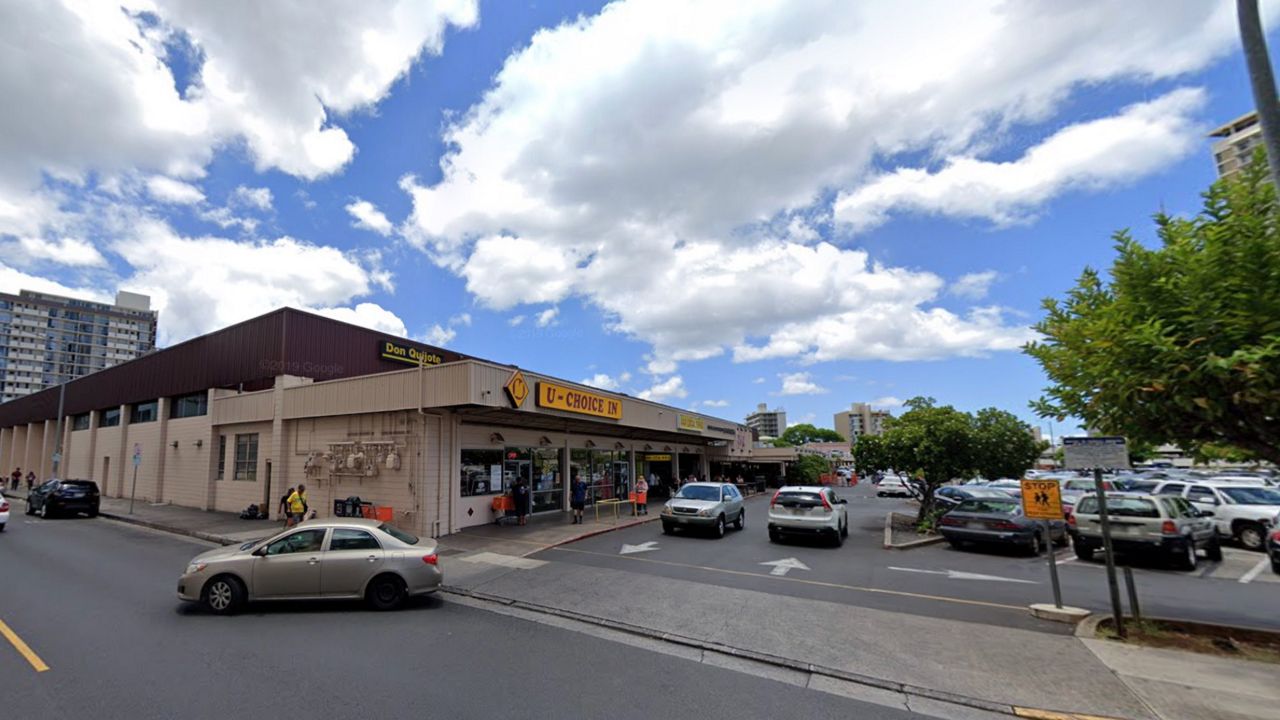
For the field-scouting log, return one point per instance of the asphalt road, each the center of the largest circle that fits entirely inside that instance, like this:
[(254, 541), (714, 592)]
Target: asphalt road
[(936, 580), (94, 600)]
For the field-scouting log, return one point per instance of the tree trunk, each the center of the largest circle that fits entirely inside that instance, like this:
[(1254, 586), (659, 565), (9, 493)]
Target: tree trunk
[(1262, 81)]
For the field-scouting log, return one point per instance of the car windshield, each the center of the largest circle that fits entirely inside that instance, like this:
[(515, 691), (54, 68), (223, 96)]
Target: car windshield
[(79, 485), (997, 507), (1120, 507), (399, 534), (699, 492), (1252, 496)]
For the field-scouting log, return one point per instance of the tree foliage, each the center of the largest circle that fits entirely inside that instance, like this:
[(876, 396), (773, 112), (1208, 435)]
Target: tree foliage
[(1182, 343), (796, 435), (807, 469), (1006, 447)]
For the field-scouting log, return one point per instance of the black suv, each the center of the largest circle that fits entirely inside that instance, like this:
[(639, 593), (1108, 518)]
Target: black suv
[(64, 496)]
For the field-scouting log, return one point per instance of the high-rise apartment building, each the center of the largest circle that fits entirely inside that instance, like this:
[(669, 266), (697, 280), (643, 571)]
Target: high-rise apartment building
[(46, 339), (860, 419), (766, 422), (1238, 140)]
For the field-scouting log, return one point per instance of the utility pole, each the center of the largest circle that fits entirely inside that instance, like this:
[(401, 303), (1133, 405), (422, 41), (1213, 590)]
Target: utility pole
[(57, 448), (1262, 81)]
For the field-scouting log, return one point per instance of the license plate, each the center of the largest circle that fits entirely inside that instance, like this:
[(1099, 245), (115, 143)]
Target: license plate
[(976, 525), (682, 520)]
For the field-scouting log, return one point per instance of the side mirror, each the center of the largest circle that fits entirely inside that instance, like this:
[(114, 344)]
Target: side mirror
[(1205, 513), (260, 552)]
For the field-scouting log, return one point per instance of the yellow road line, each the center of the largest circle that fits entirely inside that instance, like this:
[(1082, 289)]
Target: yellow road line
[(22, 648), (1038, 714), (819, 583)]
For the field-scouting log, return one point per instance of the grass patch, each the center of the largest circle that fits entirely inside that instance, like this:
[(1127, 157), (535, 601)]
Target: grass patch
[(1217, 640)]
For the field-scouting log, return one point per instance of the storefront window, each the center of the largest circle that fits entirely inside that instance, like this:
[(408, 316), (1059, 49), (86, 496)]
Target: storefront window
[(548, 482), (607, 472), (482, 473)]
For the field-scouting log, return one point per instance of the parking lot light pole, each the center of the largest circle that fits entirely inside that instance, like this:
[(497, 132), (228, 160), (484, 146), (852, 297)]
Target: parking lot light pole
[(1116, 610)]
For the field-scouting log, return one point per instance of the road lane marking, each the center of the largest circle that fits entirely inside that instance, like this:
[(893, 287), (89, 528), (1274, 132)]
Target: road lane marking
[(781, 578), (958, 575), (642, 547), (508, 561), (782, 567), (1249, 576), (22, 648)]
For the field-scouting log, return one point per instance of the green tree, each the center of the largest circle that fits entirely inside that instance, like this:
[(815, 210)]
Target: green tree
[(870, 455), (938, 444), (1006, 447), (806, 469), (796, 435), (1182, 343)]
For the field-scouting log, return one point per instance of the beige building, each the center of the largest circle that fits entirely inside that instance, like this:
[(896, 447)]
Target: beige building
[(860, 419), (766, 422), (293, 398), (1237, 141)]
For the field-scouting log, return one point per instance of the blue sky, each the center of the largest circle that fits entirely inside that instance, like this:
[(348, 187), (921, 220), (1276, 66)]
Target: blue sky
[(709, 204)]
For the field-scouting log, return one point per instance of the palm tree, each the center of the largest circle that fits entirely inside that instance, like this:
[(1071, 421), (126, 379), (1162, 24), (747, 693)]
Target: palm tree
[(1262, 81)]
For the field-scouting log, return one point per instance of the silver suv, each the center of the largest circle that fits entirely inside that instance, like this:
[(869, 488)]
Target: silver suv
[(1161, 524), (704, 505)]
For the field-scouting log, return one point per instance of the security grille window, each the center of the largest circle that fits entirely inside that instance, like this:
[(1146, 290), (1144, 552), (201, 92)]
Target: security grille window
[(144, 412), (246, 457), (80, 422), (222, 456), (193, 405), (111, 418)]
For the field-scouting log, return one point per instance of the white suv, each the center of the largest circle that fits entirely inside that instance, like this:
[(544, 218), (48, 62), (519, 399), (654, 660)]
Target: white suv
[(808, 510), (1240, 512)]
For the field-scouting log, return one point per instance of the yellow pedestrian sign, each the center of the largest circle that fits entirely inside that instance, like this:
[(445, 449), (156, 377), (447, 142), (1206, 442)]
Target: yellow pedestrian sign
[(1042, 499)]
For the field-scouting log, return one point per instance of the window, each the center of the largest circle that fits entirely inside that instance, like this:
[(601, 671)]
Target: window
[(1119, 507), (344, 539), (481, 472), (80, 422), (193, 405), (1201, 494), (144, 412), (303, 541), (1252, 495), (246, 457), (1171, 489), (110, 418), (222, 456)]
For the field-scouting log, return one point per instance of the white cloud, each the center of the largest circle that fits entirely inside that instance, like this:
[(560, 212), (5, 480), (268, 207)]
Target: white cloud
[(716, 403), (225, 218), (463, 319), (173, 191), (370, 315), (799, 384), (758, 381), (13, 280), (602, 381), (63, 250), (660, 365), (703, 142), (672, 387), (256, 197), (438, 335), (515, 320), (888, 401), (547, 317), (369, 217), (1143, 138), (973, 286)]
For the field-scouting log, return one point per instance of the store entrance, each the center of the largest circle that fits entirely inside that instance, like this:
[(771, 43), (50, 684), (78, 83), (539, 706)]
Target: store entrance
[(540, 469), (656, 469)]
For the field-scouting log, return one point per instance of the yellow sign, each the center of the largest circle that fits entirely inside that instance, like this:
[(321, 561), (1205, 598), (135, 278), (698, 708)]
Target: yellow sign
[(657, 458), (390, 350), (691, 422), (559, 397), (1042, 499), (517, 389)]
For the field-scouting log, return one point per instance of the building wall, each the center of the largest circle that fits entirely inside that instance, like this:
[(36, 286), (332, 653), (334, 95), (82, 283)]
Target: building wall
[(232, 495), (34, 453), (107, 454), (77, 458), (18, 450), (186, 467), (147, 436)]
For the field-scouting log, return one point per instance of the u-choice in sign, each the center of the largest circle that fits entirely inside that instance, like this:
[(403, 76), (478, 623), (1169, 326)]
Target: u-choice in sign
[(1042, 499), (562, 397)]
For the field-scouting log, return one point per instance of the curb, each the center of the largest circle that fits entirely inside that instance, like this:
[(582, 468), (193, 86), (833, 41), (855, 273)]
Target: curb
[(208, 537), (889, 544), (594, 533), (777, 660)]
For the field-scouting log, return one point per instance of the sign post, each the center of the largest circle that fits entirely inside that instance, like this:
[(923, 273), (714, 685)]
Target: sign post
[(1042, 500), (137, 460), (1099, 453)]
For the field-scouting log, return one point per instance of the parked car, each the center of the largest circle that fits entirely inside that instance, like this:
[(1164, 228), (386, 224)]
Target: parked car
[(4, 512), (340, 558), (1075, 488), (894, 486), (1242, 513), (949, 496), (1161, 524), (706, 506), (810, 511), (999, 520), (56, 497), (1273, 544)]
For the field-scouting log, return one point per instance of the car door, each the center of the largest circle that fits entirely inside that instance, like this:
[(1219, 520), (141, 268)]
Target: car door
[(290, 566), (732, 502), (840, 507), (1205, 499), (351, 560), (41, 494)]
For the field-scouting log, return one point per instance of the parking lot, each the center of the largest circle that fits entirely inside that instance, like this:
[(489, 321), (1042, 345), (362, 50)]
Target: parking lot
[(979, 585)]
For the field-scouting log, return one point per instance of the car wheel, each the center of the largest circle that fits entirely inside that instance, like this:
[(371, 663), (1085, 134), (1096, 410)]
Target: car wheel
[(1037, 544), (774, 536), (93, 513), (667, 529), (720, 526), (223, 595), (386, 592), (741, 522), (2, 527), (1250, 535), (1186, 558), (955, 543), (44, 510), (844, 529), (1213, 550), (1275, 566), (837, 539), (29, 510), (879, 494), (1083, 551)]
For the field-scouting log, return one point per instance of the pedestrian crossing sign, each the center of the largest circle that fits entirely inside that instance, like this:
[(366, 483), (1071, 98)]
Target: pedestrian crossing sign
[(1042, 499)]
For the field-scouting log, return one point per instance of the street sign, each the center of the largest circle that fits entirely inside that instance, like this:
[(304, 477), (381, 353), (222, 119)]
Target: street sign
[(137, 454), (1042, 499), (1090, 453)]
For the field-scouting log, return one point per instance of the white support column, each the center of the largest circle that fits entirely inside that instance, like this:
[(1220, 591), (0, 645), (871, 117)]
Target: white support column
[(124, 458), (162, 416), (278, 457), (95, 417)]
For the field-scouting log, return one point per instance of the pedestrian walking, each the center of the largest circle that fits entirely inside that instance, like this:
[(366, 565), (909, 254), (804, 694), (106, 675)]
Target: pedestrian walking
[(283, 508), (16, 478), (520, 496), (298, 504), (31, 479), (642, 496), (578, 497)]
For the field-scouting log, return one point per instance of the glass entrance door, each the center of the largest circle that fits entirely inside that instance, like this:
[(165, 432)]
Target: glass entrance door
[(547, 482)]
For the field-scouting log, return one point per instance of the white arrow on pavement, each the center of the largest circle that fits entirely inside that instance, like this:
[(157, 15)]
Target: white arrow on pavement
[(782, 567), (642, 547), (958, 575)]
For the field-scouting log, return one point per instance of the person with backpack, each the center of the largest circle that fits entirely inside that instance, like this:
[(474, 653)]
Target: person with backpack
[(578, 498), (298, 504), (283, 508)]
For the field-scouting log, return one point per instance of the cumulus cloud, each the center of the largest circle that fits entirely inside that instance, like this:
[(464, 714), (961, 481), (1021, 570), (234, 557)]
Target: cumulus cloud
[(439, 335), (601, 380), (799, 384), (369, 217), (547, 317), (715, 403), (888, 401), (973, 286), (1091, 155), (672, 387), (63, 251), (705, 143), (173, 191), (254, 197), (13, 280), (515, 320), (370, 315)]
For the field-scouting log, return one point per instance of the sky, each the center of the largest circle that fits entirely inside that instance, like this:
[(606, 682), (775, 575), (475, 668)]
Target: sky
[(708, 204)]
